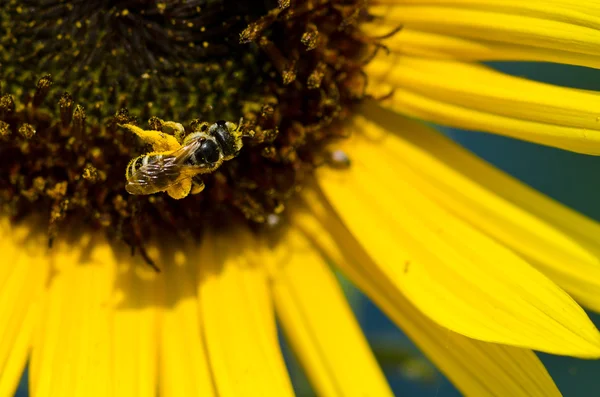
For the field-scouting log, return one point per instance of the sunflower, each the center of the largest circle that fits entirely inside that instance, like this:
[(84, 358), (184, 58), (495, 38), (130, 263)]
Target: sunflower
[(107, 293)]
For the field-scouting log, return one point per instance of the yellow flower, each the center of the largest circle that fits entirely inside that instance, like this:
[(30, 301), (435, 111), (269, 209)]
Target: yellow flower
[(475, 267)]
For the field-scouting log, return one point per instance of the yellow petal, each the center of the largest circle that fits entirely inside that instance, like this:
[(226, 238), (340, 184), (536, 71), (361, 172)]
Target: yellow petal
[(160, 141), (23, 275), (411, 41), (567, 138), (238, 320), (455, 274), (476, 368), (134, 327), (560, 242), (71, 353), (98, 330), (475, 97), (184, 369), (320, 324), (459, 277), (558, 25)]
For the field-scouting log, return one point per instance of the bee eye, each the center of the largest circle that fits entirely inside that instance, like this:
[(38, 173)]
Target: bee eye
[(221, 123)]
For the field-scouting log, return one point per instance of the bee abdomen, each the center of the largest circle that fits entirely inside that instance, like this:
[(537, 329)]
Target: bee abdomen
[(140, 161), (133, 165)]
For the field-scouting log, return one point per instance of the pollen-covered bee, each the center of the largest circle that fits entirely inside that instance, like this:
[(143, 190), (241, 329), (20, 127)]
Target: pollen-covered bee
[(177, 160)]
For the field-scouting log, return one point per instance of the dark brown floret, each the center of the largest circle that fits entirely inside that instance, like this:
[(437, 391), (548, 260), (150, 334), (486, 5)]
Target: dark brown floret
[(73, 72)]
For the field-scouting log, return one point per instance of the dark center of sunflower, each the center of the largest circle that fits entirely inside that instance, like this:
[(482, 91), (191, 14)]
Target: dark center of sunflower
[(73, 71)]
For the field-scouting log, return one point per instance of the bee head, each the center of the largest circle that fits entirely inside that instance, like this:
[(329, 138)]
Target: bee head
[(228, 136)]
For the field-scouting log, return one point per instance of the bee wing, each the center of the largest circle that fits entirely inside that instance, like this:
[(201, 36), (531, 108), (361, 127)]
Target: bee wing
[(185, 152), (159, 175)]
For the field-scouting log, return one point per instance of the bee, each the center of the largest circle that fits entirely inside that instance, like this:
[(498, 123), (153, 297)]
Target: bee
[(179, 159)]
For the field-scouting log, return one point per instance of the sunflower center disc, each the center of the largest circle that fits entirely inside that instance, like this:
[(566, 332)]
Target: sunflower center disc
[(73, 72)]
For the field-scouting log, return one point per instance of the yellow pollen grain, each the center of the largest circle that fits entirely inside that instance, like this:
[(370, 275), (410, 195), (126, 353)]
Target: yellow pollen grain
[(90, 173), (39, 183), (58, 190), (96, 152)]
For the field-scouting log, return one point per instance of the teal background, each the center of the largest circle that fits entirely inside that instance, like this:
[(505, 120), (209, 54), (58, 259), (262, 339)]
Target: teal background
[(570, 178)]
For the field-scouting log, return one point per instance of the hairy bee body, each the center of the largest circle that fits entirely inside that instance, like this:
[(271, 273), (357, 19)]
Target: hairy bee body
[(159, 182), (201, 152)]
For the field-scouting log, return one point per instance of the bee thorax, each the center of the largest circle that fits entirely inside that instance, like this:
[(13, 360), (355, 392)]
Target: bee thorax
[(209, 151)]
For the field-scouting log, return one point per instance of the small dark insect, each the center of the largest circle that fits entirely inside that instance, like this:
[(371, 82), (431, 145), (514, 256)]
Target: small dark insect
[(176, 171)]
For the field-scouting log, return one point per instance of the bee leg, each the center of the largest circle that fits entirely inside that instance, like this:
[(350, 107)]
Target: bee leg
[(180, 190), (197, 185), (139, 243)]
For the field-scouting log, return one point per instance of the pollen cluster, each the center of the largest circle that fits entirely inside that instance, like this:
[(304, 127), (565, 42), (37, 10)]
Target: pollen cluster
[(73, 72)]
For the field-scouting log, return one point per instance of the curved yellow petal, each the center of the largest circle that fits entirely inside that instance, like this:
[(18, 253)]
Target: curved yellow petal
[(482, 88), (456, 275), (238, 320), (567, 138), (559, 241), (476, 368), (23, 276), (570, 11), (453, 272), (184, 369), (71, 352), (476, 97), (552, 25), (319, 323), (415, 42)]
